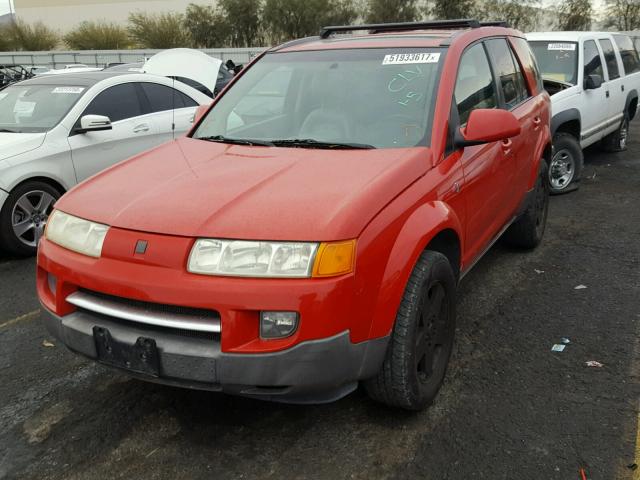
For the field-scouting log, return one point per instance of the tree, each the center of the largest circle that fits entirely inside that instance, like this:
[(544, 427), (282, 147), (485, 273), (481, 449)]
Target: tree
[(381, 11), (32, 38), (288, 19), (158, 31), (624, 15), (520, 14), (575, 15), (244, 16), (207, 26), (453, 9), (97, 36)]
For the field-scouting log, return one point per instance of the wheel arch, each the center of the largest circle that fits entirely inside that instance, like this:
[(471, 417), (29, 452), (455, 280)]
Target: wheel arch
[(568, 121), (433, 225), (48, 180), (631, 104)]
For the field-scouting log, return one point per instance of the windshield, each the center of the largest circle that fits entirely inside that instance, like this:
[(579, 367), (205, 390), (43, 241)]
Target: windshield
[(372, 98), (557, 60), (35, 108)]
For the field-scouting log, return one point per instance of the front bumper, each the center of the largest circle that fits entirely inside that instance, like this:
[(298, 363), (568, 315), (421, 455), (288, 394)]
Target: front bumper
[(314, 371)]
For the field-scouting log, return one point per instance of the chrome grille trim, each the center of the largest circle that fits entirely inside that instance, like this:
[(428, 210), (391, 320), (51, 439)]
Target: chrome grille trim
[(111, 308)]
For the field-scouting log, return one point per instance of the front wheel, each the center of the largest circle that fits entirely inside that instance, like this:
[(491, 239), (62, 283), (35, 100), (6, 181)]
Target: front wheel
[(24, 216), (422, 338), (566, 164)]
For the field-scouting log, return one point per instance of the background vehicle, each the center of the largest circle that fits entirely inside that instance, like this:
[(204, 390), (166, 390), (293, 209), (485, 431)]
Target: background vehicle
[(331, 225), (594, 80), (56, 131)]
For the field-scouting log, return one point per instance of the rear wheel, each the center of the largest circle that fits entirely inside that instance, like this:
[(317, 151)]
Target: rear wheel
[(617, 141), (527, 231), (566, 164), (422, 339), (24, 216)]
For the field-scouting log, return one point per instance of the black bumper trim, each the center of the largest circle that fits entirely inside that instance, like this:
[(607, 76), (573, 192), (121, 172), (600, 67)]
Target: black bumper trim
[(314, 371)]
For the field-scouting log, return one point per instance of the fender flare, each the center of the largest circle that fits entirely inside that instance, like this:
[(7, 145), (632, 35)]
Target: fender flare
[(422, 226), (632, 95), (564, 117)]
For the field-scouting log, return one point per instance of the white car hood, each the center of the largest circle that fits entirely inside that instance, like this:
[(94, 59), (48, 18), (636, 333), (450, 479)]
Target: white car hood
[(185, 62), (12, 144)]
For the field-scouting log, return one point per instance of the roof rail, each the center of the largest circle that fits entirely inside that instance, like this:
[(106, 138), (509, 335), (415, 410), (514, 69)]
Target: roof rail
[(402, 27), (497, 23)]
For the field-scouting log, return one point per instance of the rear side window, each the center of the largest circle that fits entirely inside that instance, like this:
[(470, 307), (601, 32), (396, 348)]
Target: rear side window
[(630, 60), (508, 73), (117, 103), (162, 98), (475, 87), (528, 59), (592, 60), (610, 59)]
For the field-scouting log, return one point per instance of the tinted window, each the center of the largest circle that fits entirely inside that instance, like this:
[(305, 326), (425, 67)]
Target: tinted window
[(510, 77), (162, 98), (474, 86), (592, 60), (117, 103), (521, 83), (528, 59), (630, 60), (610, 59)]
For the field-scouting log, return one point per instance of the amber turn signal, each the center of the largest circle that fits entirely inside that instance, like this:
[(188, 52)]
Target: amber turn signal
[(335, 258)]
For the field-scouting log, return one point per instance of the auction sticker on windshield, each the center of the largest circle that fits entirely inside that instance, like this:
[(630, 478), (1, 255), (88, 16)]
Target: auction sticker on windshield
[(407, 58), (72, 90), (561, 46)]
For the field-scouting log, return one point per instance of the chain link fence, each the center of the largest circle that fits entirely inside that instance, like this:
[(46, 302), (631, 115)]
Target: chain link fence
[(101, 58)]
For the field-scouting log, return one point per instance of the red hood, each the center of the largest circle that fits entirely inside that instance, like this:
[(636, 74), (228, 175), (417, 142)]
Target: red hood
[(201, 189)]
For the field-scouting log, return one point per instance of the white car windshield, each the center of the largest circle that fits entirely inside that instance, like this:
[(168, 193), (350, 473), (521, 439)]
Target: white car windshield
[(557, 60), (35, 108), (364, 98)]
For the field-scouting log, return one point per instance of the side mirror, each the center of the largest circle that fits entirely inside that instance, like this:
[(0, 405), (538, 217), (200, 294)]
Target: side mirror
[(202, 109), (487, 126), (94, 123), (591, 82)]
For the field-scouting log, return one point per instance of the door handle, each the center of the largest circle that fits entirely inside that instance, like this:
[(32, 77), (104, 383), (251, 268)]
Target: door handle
[(622, 87), (141, 128), (536, 123), (506, 146), (607, 93)]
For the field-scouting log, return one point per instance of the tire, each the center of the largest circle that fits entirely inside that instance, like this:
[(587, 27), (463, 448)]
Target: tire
[(617, 141), (528, 230), (28, 206), (427, 312), (566, 165)]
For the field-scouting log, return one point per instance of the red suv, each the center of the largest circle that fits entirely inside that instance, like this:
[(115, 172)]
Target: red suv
[(310, 231)]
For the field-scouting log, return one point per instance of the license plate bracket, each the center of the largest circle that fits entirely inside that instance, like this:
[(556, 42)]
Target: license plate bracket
[(141, 357)]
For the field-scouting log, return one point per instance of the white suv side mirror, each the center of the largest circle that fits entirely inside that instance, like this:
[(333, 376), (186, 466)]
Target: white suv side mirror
[(94, 123)]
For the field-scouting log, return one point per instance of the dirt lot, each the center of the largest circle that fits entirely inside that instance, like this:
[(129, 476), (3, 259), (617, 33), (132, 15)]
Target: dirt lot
[(510, 409)]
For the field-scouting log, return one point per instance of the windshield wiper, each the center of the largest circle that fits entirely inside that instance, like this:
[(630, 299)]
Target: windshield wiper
[(311, 143), (6, 130), (236, 141)]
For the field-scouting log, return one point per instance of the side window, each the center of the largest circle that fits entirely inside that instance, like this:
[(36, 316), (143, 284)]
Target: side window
[(521, 83), (475, 87), (162, 98), (117, 103), (528, 59), (592, 60), (610, 59), (629, 54), (510, 77)]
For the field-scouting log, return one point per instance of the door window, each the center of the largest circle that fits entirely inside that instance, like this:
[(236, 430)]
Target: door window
[(592, 60), (610, 59), (117, 103), (163, 98), (629, 54), (475, 87), (510, 77)]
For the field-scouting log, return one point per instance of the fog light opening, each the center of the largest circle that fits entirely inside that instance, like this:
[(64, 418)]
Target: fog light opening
[(278, 324), (52, 281)]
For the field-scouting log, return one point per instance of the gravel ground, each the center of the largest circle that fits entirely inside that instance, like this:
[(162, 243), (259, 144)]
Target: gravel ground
[(510, 408)]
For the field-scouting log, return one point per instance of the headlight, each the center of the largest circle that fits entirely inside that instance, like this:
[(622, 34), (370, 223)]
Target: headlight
[(240, 258), (76, 234), (252, 259)]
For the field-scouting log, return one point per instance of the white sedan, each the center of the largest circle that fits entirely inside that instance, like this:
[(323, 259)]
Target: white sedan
[(56, 131)]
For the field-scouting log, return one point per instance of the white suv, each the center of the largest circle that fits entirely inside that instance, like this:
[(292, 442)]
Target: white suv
[(593, 79)]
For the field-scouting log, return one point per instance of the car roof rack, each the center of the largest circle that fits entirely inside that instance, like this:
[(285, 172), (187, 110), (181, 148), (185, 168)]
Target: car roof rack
[(402, 27), (497, 23)]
